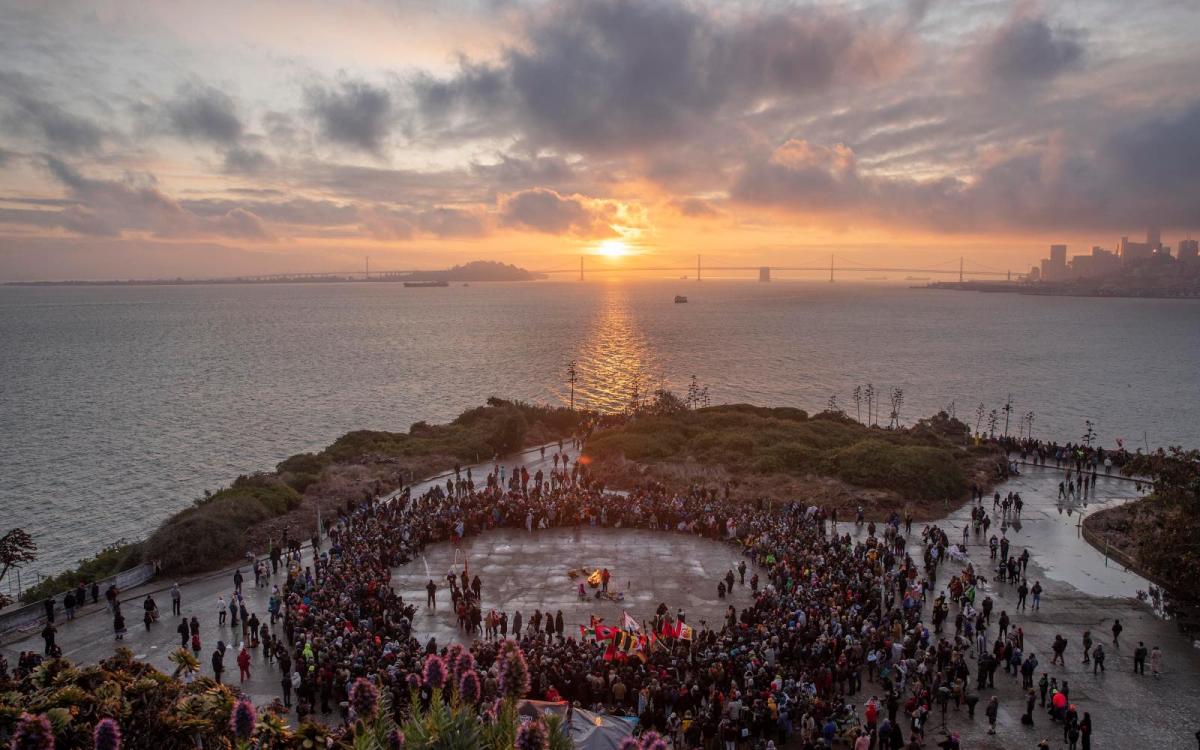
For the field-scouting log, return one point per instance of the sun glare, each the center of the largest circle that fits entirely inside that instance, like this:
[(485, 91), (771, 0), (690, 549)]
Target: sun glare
[(612, 249)]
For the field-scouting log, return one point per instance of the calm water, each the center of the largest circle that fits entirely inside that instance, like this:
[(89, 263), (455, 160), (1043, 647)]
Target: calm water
[(120, 405)]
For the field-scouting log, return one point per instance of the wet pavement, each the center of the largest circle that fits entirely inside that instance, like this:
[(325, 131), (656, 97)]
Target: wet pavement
[(524, 571)]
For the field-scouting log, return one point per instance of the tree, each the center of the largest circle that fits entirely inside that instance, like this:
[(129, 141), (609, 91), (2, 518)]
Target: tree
[(1008, 407), (832, 405), (16, 549), (1029, 421), (857, 397), (897, 402), (693, 393), (1089, 434), (993, 420), (870, 395), (980, 411)]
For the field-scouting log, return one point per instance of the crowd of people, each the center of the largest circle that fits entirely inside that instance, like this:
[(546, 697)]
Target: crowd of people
[(833, 644), (866, 640)]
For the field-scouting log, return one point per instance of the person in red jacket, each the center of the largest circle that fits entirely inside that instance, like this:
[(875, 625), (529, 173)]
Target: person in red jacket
[(243, 661)]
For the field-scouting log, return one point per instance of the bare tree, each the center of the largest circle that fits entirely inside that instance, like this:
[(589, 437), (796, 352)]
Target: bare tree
[(980, 411), (1089, 434), (1029, 420), (870, 396), (1008, 407), (857, 396), (831, 406), (693, 393), (993, 420)]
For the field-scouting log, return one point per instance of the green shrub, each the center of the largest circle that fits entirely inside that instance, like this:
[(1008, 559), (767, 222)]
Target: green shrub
[(110, 561)]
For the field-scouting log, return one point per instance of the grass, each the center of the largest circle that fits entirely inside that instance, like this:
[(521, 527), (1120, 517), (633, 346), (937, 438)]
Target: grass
[(929, 461)]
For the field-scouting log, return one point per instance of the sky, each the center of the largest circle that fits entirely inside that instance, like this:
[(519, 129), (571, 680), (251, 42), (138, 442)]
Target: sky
[(217, 138)]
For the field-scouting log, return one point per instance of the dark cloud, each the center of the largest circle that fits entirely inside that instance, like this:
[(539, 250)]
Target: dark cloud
[(517, 172), (352, 113), (1027, 49), (1132, 176), (614, 75), (204, 113), (243, 160), (24, 110), (545, 211)]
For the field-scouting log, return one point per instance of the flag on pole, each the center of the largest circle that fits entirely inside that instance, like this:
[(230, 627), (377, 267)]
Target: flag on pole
[(685, 632), (628, 623)]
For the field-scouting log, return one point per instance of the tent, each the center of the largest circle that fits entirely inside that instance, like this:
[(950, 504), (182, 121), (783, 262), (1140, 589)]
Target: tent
[(589, 731)]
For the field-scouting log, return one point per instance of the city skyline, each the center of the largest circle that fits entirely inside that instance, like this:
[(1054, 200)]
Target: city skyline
[(208, 140)]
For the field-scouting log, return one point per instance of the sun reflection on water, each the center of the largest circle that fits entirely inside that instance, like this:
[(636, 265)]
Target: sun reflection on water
[(614, 356)]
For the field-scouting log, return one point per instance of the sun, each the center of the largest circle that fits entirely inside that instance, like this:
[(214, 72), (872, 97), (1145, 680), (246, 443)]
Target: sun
[(612, 249)]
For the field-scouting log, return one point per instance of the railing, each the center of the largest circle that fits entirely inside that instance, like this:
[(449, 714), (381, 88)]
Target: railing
[(22, 618)]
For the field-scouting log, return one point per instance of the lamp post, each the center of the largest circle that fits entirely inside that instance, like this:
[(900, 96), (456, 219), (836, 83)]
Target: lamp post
[(572, 378)]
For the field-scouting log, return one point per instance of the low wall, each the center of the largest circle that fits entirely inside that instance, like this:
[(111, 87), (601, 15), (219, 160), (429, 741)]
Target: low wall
[(26, 617)]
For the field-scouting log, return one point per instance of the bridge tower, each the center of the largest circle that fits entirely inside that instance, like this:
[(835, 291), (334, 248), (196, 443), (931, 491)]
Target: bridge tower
[(764, 273), (831, 268), (581, 268), (697, 266), (960, 269)]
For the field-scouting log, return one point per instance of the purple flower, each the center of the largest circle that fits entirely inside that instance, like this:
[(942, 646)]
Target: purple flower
[(364, 697), (435, 671), (469, 688), (514, 671), (414, 681), (107, 735), (652, 741), (464, 662), (33, 733), (242, 719), (533, 735), (395, 740), (453, 654)]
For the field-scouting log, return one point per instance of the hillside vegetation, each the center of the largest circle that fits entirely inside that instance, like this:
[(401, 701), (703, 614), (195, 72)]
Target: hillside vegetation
[(221, 527), (929, 461)]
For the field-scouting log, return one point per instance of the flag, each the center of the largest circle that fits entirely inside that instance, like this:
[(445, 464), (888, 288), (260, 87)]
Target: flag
[(628, 623), (685, 632), (606, 632), (670, 629), (585, 631)]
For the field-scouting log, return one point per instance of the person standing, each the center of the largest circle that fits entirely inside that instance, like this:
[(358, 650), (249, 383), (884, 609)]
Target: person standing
[(243, 662), (176, 597), (118, 624), (1156, 658), (69, 605), (993, 710), (430, 592), (48, 606), (48, 634), (237, 581), (218, 663), (184, 631), (1116, 631), (1139, 659)]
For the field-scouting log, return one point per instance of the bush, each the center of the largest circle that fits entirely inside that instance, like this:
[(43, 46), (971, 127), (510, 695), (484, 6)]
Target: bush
[(110, 561)]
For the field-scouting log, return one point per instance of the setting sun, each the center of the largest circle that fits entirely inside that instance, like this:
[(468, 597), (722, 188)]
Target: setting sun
[(612, 249)]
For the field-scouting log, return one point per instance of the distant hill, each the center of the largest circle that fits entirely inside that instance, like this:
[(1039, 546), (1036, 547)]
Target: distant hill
[(476, 270)]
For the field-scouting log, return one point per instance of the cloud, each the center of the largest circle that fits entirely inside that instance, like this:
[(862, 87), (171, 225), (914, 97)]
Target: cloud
[(204, 113), (26, 111), (696, 208), (603, 75), (109, 208), (1128, 176), (452, 222), (243, 160), (1026, 49), (546, 211), (352, 113)]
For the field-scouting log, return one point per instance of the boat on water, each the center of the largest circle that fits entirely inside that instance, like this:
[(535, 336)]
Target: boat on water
[(679, 298), (424, 284)]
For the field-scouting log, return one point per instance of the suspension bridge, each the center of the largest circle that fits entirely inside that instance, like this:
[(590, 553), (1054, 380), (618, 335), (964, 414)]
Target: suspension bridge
[(953, 267), (961, 267)]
